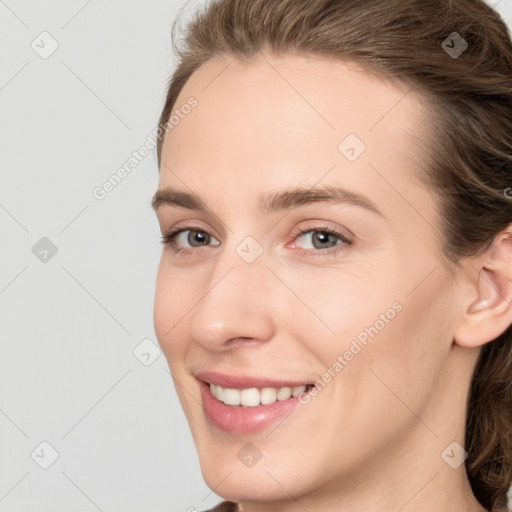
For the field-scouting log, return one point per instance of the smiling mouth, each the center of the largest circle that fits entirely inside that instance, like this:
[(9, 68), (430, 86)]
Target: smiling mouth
[(253, 397)]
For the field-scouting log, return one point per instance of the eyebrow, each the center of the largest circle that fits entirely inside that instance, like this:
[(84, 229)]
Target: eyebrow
[(273, 202)]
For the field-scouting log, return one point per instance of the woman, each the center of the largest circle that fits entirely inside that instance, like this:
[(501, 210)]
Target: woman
[(334, 295)]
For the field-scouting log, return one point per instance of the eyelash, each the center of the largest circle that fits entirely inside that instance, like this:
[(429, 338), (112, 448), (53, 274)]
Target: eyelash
[(170, 239)]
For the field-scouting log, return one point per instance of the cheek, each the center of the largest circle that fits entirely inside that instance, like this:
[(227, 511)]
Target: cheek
[(169, 314), (340, 306), (407, 358), (374, 321)]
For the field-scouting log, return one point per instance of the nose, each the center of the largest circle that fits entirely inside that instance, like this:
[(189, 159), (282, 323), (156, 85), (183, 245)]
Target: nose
[(235, 304)]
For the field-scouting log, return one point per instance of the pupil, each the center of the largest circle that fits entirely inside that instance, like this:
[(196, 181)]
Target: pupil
[(197, 236), (323, 237)]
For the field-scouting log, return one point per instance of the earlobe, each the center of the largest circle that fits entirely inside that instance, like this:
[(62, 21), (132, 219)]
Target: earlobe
[(490, 313)]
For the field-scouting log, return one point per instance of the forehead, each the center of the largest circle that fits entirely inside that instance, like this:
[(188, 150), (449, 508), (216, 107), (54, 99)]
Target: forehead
[(289, 120)]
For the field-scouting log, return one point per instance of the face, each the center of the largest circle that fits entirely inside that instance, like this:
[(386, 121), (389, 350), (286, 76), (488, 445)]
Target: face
[(309, 252)]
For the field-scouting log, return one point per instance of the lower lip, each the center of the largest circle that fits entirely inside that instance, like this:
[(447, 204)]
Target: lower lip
[(241, 418)]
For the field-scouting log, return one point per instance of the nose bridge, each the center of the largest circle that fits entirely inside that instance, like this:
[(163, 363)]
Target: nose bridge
[(236, 301)]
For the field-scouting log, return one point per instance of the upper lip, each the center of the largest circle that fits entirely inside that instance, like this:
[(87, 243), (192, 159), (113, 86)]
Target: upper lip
[(245, 382)]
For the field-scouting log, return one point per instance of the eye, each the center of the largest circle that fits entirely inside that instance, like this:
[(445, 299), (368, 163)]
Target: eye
[(325, 239), (191, 237), (317, 241)]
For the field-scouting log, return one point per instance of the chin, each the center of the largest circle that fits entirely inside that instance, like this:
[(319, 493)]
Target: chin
[(270, 482)]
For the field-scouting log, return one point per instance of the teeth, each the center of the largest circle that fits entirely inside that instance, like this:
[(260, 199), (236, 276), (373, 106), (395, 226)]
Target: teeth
[(268, 396), (284, 393), (249, 397), (253, 397), (231, 396), (217, 392), (297, 390)]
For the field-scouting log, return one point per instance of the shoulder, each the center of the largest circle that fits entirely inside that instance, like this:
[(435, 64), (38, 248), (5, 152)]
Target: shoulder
[(225, 506)]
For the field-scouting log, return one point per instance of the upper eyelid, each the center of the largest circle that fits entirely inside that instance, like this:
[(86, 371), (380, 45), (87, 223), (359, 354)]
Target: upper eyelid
[(297, 232)]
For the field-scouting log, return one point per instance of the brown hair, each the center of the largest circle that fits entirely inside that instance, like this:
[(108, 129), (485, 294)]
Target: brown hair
[(469, 99)]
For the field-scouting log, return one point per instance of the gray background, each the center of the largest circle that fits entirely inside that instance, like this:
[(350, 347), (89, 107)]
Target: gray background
[(70, 323)]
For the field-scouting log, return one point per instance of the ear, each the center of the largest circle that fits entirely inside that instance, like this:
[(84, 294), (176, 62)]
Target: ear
[(489, 310)]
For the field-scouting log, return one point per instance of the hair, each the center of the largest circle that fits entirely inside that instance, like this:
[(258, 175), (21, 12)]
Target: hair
[(468, 148)]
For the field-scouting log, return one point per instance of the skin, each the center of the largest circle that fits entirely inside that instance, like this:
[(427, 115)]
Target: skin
[(372, 439)]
